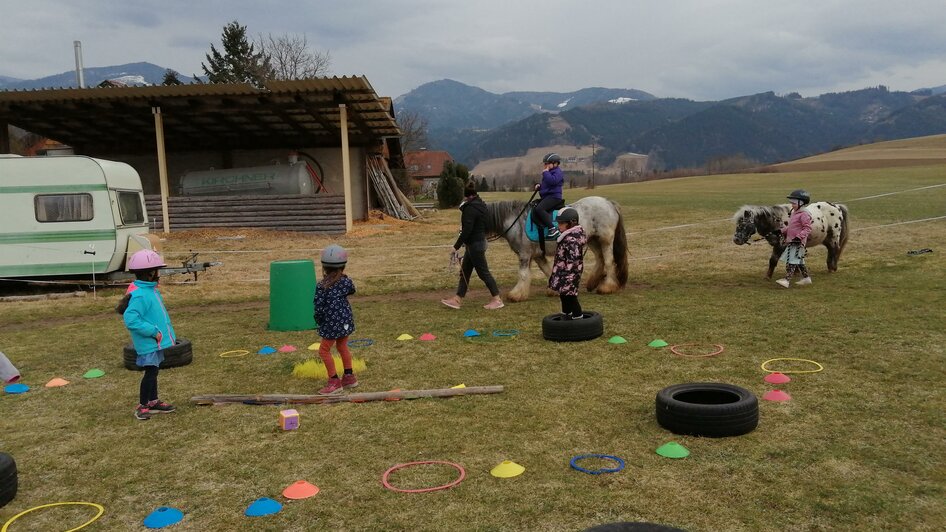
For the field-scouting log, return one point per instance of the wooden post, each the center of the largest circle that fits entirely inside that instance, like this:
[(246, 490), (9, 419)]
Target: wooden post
[(4, 137), (346, 165), (162, 167)]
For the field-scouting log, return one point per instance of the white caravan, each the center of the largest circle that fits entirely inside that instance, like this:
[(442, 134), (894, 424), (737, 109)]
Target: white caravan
[(68, 216)]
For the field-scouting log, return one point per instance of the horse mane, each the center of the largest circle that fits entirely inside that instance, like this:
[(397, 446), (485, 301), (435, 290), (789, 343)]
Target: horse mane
[(499, 211), (773, 212)]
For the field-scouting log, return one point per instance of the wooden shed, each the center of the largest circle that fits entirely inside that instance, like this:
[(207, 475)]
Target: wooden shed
[(167, 131)]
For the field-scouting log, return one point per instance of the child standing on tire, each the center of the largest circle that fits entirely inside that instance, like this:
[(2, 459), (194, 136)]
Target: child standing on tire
[(796, 235), (334, 318), (150, 327), (569, 264)]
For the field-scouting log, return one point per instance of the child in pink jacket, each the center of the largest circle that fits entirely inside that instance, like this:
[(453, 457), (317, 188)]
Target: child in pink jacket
[(796, 235)]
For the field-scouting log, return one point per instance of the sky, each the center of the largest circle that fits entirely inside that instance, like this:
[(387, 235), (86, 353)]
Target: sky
[(697, 49)]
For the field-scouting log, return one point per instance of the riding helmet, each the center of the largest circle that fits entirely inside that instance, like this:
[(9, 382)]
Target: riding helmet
[(568, 215), (801, 196), (334, 256), (552, 158)]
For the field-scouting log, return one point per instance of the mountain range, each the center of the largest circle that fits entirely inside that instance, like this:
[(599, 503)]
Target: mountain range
[(129, 74), (475, 125)]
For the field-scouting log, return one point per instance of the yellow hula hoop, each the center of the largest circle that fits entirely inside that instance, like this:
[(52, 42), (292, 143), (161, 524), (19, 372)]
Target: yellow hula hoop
[(229, 354), (101, 510), (820, 367)]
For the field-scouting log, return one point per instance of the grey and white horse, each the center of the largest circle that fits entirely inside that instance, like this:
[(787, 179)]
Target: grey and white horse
[(829, 226), (603, 224)]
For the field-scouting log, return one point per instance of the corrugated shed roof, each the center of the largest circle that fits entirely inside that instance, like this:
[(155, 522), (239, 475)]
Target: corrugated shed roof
[(281, 114)]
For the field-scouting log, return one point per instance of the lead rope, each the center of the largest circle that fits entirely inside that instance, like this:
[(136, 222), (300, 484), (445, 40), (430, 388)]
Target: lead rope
[(521, 212)]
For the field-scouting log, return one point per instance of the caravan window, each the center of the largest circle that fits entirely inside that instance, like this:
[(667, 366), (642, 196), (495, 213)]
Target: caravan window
[(63, 207), (129, 206)]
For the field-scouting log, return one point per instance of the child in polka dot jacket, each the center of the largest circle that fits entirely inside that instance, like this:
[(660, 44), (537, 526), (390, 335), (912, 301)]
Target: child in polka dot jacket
[(334, 318)]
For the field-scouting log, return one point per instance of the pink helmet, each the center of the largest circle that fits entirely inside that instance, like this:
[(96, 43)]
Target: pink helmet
[(145, 259)]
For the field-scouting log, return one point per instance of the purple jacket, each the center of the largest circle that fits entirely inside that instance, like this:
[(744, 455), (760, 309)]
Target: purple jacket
[(568, 264), (799, 226), (552, 181)]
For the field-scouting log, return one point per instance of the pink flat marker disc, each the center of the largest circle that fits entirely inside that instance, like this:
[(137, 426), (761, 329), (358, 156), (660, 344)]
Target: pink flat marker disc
[(777, 378), (776, 395)]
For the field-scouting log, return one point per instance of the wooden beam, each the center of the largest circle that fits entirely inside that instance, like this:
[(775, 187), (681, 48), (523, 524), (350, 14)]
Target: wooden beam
[(279, 399), (4, 136), (162, 168), (346, 166)]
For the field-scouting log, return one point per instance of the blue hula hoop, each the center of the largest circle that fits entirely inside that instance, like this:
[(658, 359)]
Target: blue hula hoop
[(576, 467), (506, 332), (361, 342)]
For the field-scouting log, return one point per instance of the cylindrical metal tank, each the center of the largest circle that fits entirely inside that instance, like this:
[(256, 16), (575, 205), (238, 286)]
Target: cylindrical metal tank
[(274, 179)]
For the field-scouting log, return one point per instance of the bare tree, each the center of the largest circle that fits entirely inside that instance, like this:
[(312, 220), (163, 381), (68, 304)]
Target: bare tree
[(413, 130), (289, 57)]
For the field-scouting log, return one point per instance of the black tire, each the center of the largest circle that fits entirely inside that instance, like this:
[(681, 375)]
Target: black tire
[(707, 409), (180, 354), (558, 329), (8, 479)]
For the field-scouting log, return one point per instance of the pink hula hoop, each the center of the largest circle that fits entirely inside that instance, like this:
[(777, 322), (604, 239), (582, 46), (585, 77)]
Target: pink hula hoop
[(458, 467), (719, 349)]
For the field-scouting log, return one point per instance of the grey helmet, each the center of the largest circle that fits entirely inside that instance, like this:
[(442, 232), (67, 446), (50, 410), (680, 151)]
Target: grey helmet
[(334, 256), (801, 196), (568, 215), (551, 158)]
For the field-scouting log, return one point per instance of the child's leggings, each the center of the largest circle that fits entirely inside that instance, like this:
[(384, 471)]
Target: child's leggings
[(325, 353), (149, 385), (790, 270), (570, 306)]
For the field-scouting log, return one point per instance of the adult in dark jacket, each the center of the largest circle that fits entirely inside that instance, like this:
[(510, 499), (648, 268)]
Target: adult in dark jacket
[(473, 236)]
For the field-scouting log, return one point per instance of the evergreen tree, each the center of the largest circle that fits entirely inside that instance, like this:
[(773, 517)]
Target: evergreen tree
[(450, 185), (482, 186), (240, 62), (170, 78)]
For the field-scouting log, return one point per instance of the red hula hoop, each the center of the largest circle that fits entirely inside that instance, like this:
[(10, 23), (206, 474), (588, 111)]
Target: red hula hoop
[(719, 349), (458, 467)]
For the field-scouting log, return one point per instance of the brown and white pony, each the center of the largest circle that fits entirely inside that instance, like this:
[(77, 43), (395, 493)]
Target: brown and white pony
[(829, 227)]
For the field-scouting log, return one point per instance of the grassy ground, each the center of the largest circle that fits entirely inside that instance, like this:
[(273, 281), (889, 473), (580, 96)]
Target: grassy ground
[(860, 446)]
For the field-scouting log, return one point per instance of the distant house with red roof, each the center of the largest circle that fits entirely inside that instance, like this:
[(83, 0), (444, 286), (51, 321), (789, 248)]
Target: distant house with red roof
[(424, 166)]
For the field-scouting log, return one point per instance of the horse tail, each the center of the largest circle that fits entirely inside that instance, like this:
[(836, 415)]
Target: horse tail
[(619, 247), (845, 229)]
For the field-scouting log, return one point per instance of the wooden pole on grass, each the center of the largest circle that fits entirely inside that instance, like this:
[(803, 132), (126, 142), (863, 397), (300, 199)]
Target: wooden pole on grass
[(279, 399)]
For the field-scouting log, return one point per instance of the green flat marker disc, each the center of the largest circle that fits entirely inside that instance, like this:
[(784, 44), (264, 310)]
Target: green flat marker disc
[(673, 450), (617, 340), (658, 343), (93, 373)]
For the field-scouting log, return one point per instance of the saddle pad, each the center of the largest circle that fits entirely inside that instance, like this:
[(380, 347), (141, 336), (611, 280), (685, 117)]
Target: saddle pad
[(532, 230)]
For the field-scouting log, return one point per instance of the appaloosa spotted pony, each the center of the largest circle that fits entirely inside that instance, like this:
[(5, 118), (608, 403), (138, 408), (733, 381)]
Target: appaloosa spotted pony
[(829, 226)]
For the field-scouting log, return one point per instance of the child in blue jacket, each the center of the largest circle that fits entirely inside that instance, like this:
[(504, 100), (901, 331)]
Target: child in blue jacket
[(550, 192), (150, 327)]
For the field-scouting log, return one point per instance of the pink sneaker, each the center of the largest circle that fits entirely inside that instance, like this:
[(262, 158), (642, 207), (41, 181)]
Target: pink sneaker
[(349, 380), (451, 302), (494, 305), (332, 387)]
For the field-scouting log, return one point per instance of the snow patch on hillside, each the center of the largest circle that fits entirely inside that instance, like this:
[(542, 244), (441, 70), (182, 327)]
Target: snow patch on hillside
[(622, 99), (563, 104)]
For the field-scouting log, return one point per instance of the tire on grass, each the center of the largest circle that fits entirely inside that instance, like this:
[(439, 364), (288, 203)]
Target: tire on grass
[(8, 479), (557, 329), (708, 409), (180, 354)]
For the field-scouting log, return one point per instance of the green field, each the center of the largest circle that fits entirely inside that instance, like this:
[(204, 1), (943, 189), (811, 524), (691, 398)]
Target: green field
[(860, 446)]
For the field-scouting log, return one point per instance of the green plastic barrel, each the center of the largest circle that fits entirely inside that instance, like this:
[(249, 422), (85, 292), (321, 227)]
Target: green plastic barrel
[(291, 290)]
